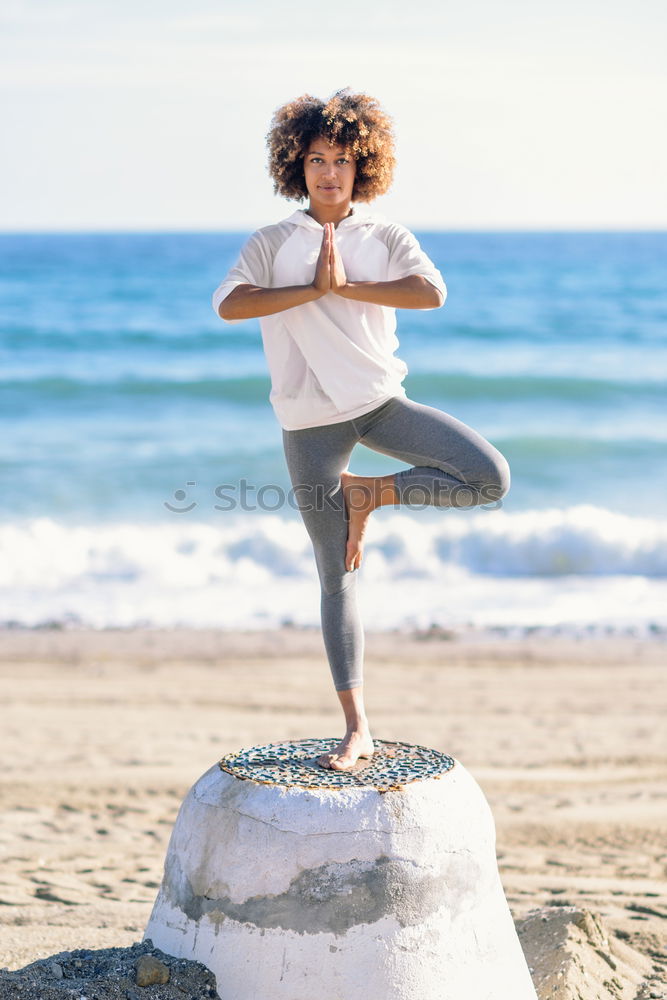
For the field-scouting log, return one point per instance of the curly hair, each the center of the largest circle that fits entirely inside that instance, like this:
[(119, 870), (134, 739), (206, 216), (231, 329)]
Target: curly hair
[(354, 121)]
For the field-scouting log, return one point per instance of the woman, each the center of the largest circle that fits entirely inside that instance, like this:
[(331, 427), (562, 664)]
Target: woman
[(325, 283)]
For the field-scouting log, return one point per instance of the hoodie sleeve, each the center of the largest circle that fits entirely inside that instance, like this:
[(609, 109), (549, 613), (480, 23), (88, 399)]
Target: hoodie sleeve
[(253, 267), (406, 257)]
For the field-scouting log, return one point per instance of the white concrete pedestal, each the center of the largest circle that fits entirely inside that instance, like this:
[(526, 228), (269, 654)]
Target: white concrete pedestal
[(291, 890)]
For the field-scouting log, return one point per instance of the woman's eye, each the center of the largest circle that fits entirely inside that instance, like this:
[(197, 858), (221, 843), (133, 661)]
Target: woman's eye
[(318, 159)]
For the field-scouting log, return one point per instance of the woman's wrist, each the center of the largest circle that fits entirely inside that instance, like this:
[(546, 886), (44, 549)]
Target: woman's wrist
[(347, 291)]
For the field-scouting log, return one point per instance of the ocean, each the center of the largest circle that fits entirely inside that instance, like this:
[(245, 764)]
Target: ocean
[(143, 480)]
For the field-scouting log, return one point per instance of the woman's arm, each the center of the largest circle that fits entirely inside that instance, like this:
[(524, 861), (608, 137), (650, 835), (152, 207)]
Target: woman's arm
[(250, 301), (414, 292)]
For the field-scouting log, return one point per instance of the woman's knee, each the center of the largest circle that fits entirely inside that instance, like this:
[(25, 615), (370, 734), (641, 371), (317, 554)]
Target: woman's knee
[(486, 481), (497, 480)]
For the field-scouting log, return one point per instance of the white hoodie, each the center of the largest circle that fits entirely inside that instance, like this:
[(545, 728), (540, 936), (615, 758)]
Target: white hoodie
[(331, 359)]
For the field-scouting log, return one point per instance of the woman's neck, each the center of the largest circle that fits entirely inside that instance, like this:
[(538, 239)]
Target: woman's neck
[(324, 213)]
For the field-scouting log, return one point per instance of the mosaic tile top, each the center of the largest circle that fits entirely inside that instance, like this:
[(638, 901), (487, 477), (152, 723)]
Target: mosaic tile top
[(294, 763)]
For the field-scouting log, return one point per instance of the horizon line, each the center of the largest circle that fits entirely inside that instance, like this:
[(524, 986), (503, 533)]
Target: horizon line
[(547, 229)]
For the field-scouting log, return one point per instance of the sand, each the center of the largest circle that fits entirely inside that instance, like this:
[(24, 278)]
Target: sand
[(103, 733)]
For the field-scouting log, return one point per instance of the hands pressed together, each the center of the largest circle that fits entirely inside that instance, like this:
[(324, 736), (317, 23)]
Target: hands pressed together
[(329, 271)]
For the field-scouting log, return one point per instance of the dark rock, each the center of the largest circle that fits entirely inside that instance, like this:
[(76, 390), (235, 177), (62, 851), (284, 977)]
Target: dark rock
[(151, 970)]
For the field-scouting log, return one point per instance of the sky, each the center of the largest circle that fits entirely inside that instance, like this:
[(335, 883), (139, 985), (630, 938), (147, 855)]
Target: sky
[(152, 114)]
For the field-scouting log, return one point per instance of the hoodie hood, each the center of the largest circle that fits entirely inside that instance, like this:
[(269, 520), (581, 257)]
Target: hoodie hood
[(361, 216)]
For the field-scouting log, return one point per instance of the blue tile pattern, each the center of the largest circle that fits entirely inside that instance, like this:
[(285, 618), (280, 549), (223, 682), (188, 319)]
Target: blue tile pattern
[(294, 763)]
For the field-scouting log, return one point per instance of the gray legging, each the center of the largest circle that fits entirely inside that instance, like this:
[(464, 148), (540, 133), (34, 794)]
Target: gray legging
[(454, 466)]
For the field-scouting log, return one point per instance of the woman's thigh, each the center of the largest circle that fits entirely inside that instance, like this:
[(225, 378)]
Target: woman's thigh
[(426, 437), (316, 457)]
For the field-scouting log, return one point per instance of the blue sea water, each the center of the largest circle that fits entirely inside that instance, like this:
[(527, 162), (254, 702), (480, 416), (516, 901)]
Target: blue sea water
[(143, 476)]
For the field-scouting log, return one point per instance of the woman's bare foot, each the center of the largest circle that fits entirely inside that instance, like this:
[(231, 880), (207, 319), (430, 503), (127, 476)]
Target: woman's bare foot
[(357, 741), (363, 495), (355, 744)]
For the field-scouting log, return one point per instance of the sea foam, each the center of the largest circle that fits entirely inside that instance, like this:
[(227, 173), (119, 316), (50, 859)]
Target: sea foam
[(575, 566)]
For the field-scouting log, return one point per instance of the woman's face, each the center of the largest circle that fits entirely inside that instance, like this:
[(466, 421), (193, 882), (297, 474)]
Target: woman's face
[(329, 172)]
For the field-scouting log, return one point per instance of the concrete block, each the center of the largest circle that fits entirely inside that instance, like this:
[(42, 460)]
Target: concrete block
[(290, 883)]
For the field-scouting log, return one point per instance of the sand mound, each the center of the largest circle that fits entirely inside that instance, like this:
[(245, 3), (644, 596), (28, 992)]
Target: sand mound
[(106, 974), (572, 956)]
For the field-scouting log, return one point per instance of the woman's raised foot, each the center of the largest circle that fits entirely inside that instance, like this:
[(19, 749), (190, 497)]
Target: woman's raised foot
[(359, 494)]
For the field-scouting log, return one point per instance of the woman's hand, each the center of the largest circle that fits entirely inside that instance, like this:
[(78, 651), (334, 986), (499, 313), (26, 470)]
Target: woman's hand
[(336, 266), (329, 271), (322, 279)]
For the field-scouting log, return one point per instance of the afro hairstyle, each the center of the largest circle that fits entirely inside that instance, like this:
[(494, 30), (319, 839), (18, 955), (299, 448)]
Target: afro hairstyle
[(354, 121)]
